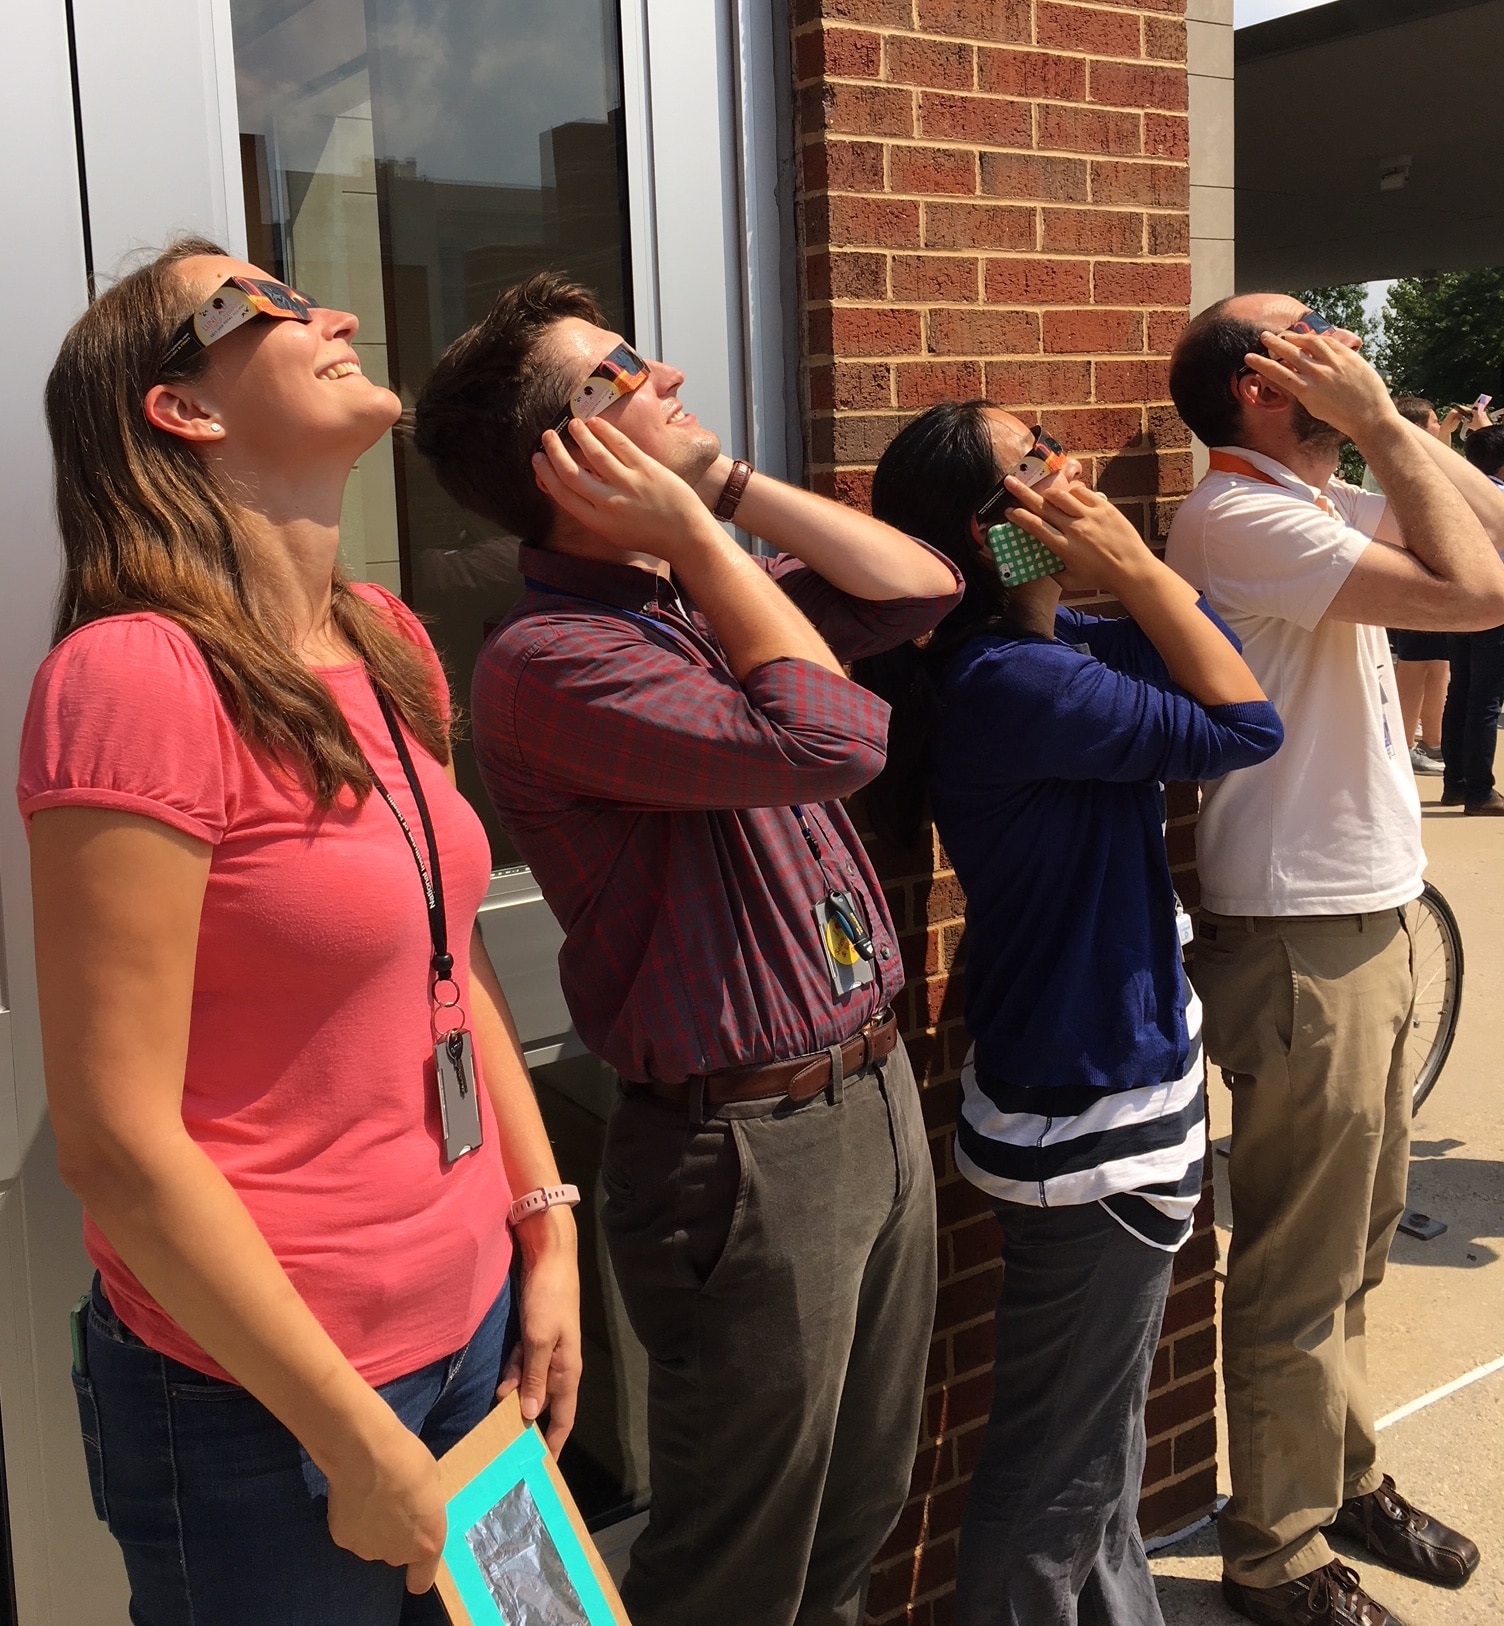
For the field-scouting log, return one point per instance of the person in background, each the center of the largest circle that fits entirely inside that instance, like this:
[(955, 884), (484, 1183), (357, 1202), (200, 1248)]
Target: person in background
[(255, 891), (1041, 738), (1420, 658), (1470, 724), (666, 730), (1303, 954)]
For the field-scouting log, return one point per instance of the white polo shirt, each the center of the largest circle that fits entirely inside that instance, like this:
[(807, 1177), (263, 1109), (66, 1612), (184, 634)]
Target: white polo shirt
[(1330, 824)]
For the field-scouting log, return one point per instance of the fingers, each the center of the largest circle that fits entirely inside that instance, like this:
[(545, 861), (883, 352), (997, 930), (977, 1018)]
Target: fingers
[(536, 1355), (1038, 527), (422, 1575), (511, 1374), (562, 1400), (620, 446), (592, 449)]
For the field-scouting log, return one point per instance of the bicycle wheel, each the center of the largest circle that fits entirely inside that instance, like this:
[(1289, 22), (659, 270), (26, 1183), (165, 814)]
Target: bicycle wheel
[(1437, 946)]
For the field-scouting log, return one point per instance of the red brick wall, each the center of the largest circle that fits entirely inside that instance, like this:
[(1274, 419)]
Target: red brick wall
[(993, 201)]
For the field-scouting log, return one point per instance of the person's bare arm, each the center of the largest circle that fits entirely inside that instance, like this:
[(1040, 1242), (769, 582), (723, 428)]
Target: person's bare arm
[(855, 553), (1102, 549), (638, 505), (546, 1364), (1474, 487), (117, 900), (1447, 575)]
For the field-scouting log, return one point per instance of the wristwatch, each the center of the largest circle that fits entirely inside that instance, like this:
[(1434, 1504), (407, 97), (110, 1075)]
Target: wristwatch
[(544, 1197)]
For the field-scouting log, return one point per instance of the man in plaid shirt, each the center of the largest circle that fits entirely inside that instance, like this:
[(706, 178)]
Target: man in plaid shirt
[(671, 768)]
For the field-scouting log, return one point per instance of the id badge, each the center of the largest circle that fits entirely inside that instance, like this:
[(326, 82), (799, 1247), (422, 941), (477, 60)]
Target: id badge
[(459, 1105), (848, 970)]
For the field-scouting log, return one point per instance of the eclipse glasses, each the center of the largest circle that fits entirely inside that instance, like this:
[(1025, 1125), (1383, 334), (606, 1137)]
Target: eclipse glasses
[(234, 303), (1306, 322), (1045, 457), (619, 374)]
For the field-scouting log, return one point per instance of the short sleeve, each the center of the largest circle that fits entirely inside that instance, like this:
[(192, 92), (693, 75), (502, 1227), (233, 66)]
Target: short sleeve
[(1361, 508), (1274, 554), (124, 715), (407, 625)]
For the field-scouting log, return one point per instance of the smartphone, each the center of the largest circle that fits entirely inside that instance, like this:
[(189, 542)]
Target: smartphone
[(1481, 403), (1018, 557)]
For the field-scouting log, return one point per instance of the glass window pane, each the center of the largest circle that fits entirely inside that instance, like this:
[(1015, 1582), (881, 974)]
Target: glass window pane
[(407, 160)]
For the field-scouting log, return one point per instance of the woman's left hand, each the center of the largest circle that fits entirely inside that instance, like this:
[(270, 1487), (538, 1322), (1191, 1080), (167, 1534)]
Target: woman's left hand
[(545, 1365), (1098, 544)]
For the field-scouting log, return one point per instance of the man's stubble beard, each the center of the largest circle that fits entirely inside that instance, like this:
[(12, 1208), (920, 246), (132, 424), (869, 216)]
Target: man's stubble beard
[(1315, 433)]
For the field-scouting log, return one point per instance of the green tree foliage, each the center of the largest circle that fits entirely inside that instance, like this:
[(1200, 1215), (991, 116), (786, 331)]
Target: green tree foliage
[(1444, 337), (1343, 305)]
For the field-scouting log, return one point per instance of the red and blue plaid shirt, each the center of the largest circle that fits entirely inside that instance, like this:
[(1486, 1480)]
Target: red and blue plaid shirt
[(651, 793)]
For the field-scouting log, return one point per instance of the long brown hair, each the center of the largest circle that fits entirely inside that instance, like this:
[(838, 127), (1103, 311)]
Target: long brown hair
[(145, 527)]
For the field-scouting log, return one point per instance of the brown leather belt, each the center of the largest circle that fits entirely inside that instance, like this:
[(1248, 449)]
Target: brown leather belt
[(798, 1079)]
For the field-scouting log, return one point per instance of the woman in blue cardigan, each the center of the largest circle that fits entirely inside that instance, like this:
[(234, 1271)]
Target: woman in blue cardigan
[(1041, 739)]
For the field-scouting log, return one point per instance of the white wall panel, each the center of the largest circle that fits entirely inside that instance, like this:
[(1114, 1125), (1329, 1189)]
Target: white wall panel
[(67, 1568), (156, 83)]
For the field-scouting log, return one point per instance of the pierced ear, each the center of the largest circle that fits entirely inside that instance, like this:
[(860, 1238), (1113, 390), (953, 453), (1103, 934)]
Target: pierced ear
[(170, 408)]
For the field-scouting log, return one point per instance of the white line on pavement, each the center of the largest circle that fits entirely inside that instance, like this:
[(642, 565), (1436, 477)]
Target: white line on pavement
[(1476, 1375)]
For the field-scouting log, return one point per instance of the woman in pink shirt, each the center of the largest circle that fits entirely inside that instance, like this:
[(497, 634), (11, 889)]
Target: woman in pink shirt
[(282, 1073)]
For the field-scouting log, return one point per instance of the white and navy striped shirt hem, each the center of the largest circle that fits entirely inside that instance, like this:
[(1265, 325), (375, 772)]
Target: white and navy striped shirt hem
[(1139, 1153)]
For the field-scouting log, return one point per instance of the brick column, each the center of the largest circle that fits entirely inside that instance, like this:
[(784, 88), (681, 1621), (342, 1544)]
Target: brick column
[(993, 201)]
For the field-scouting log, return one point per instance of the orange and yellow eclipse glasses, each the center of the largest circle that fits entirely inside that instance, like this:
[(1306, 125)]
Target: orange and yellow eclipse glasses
[(231, 306)]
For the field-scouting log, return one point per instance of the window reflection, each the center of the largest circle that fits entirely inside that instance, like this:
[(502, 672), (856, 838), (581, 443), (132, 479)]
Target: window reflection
[(407, 160)]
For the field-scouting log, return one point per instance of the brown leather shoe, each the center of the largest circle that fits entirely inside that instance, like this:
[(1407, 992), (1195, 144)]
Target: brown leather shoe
[(1329, 1596), (1493, 805), (1403, 1536)]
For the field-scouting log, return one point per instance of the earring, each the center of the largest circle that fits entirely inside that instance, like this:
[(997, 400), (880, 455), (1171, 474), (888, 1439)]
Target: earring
[(218, 428)]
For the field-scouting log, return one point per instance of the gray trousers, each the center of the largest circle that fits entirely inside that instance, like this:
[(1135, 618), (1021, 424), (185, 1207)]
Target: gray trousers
[(1050, 1536), (779, 1268)]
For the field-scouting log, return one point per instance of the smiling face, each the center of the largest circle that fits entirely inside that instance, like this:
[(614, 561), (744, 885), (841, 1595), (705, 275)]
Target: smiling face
[(282, 389), (652, 417)]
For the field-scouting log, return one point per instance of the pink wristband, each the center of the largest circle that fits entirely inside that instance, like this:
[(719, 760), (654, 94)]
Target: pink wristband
[(544, 1197)]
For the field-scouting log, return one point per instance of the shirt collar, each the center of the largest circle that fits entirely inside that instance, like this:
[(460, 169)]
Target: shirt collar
[(627, 587), (1277, 471)]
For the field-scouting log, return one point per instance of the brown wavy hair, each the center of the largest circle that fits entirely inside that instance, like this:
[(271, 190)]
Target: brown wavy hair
[(145, 527)]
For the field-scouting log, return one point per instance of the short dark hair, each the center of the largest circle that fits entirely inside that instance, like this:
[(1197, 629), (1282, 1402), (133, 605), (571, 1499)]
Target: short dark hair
[(1414, 409), (1207, 356), (1484, 449), (481, 414)]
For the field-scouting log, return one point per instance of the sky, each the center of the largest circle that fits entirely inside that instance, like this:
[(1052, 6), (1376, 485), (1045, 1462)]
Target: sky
[(1260, 11)]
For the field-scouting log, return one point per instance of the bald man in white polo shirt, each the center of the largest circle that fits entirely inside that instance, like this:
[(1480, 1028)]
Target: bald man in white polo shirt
[(1302, 953)]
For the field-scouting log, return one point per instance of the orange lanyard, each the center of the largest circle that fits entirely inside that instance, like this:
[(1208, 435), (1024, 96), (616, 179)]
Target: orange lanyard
[(1227, 463)]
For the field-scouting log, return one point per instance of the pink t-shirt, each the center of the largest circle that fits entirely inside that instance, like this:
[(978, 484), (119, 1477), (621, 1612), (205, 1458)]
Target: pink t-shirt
[(310, 1076)]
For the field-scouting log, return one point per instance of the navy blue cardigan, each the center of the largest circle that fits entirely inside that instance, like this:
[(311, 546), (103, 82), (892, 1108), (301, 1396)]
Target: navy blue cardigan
[(1045, 776)]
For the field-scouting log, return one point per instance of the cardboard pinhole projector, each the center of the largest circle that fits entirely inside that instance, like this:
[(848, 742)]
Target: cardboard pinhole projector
[(517, 1553)]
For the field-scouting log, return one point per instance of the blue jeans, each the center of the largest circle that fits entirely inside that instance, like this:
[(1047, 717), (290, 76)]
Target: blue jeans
[(222, 1518)]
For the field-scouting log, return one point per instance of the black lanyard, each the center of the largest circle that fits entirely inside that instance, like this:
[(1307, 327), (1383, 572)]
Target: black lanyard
[(432, 877)]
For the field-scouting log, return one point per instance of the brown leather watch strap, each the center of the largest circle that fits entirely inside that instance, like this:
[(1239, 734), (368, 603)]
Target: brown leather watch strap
[(731, 492)]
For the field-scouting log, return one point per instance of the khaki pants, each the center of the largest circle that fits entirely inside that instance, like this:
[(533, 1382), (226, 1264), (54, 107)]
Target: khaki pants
[(1308, 1017)]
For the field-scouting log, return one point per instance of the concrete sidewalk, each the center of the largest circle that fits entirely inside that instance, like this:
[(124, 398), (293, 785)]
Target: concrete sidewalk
[(1440, 1315)]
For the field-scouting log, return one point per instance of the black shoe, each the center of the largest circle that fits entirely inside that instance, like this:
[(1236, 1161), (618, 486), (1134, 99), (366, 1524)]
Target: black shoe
[(1494, 804), (1412, 1541), (1450, 798), (1329, 1596)]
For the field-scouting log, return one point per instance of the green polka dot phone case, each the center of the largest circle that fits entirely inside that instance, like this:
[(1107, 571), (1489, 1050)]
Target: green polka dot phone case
[(1018, 557)]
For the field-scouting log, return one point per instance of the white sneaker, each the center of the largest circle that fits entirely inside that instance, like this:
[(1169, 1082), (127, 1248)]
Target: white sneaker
[(1425, 760)]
